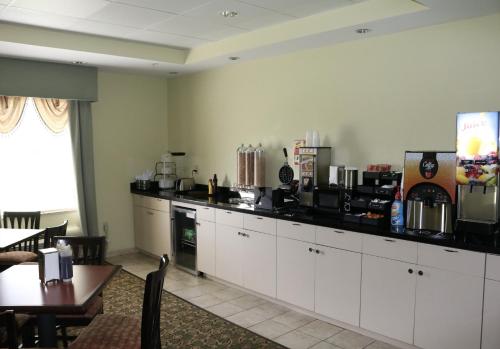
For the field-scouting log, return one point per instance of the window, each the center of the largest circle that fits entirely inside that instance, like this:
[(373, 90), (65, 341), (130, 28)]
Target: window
[(36, 166)]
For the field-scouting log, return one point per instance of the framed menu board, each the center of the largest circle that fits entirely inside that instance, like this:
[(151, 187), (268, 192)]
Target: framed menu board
[(477, 148)]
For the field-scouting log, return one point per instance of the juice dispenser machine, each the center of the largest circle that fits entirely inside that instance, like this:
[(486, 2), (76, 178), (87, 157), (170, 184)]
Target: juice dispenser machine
[(477, 172), (313, 171)]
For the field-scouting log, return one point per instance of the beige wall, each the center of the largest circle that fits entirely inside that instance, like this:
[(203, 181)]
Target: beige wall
[(371, 99), (130, 133)]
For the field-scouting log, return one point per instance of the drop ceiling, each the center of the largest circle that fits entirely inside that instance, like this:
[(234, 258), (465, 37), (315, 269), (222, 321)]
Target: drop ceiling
[(161, 36)]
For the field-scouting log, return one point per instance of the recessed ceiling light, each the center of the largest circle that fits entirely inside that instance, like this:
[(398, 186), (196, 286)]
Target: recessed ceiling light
[(233, 58), (173, 73), (155, 64), (228, 13), (79, 62), (363, 30)]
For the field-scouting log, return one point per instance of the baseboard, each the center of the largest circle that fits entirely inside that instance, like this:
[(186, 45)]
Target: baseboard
[(121, 252)]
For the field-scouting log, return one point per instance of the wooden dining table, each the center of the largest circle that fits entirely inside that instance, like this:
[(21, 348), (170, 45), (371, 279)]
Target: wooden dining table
[(11, 237), (22, 291)]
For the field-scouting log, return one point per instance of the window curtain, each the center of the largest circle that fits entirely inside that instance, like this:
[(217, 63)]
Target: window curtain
[(80, 122), (53, 112), (11, 109)]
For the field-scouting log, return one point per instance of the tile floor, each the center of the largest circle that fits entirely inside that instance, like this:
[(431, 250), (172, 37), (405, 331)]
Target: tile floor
[(276, 322)]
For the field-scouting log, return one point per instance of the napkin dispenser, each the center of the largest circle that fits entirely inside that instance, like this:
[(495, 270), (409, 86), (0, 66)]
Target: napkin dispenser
[(48, 264)]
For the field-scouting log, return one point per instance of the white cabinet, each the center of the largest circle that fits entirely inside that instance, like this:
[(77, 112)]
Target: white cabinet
[(491, 315), (228, 254), (338, 284), (259, 262), (295, 272), (205, 246), (152, 225), (448, 309), (388, 297)]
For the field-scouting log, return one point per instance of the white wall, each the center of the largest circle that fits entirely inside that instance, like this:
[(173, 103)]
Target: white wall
[(130, 133), (371, 99)]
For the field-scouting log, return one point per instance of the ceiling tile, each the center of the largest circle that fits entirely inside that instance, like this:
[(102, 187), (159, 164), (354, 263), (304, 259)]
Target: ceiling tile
[(196, 27), (37, 18), (166, 39), (103, 29), (74, 8), (299, 8), (174, 6), (249, 16), (129, 15)]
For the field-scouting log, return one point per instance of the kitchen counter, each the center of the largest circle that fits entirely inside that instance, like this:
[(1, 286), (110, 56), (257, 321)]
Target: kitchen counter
[(488, 244)]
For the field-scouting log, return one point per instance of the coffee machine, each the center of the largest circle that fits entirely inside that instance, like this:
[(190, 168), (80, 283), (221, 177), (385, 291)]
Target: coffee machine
[(314, 166), (477, 172), (429, 191)]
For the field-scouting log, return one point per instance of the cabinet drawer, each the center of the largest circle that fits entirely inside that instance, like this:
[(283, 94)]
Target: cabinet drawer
[(232, 218), (296, 231), (157, 204), (460, 261), (346, 240), (138, 200), (205, 213), (387, 247), (493, 267), (258, 223)]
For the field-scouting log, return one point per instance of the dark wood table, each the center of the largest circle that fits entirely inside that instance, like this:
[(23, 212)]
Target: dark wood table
[(11, 237), (22, 291)]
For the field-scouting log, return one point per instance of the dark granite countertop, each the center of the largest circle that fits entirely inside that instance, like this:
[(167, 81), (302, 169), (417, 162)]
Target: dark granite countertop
[(488, 244)]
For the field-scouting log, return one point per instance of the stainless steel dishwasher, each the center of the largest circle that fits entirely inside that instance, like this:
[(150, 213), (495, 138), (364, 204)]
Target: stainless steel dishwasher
[(184, 238)]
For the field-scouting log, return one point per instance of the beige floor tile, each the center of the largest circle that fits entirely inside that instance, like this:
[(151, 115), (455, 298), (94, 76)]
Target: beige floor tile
[(247, 302), (228, 294), (190, 292), (324, 345), (293, 319), (350, 340), (320, 329), (174, 285), (272, 309), (206, 300), (297, 340), (247, 318), (270, 329), (381, 345), (225, 309)]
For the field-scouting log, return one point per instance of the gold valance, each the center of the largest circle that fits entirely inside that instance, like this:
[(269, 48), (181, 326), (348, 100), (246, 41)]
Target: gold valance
[(54, 112), (11, 109)]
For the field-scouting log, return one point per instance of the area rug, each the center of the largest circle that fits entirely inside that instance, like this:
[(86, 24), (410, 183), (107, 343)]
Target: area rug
[(183, 325)]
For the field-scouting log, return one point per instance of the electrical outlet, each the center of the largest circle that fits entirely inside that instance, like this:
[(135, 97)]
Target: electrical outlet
[(105, 228)]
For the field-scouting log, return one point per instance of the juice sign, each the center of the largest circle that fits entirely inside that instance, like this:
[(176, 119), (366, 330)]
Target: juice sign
[(477, 148)]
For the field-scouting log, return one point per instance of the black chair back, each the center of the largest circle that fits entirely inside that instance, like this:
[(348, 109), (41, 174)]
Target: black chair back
[(50, 232), (8, 321), (21, 220), (150, 326), (86, 249)]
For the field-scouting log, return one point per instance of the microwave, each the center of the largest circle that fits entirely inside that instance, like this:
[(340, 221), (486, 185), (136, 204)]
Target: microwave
[(329, 199)]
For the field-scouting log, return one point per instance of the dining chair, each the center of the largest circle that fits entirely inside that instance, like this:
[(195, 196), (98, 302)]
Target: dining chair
[(25, 251), (59, 230), (21, 220), (11, 325), (128, 332)]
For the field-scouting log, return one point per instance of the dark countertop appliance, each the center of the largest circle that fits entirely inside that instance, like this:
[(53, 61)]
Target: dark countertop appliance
[(314, 166)]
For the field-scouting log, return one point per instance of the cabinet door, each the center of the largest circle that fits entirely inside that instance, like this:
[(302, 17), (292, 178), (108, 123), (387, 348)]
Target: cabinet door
[(295, 272), (388, 297), (491, 315), (142, 227), (160, 232), (338, 284), (205, 247), (228, 253), (259, 262), (448, 310)]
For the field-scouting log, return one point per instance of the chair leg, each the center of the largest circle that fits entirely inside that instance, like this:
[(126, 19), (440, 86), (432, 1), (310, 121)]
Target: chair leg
[(64, 336)]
